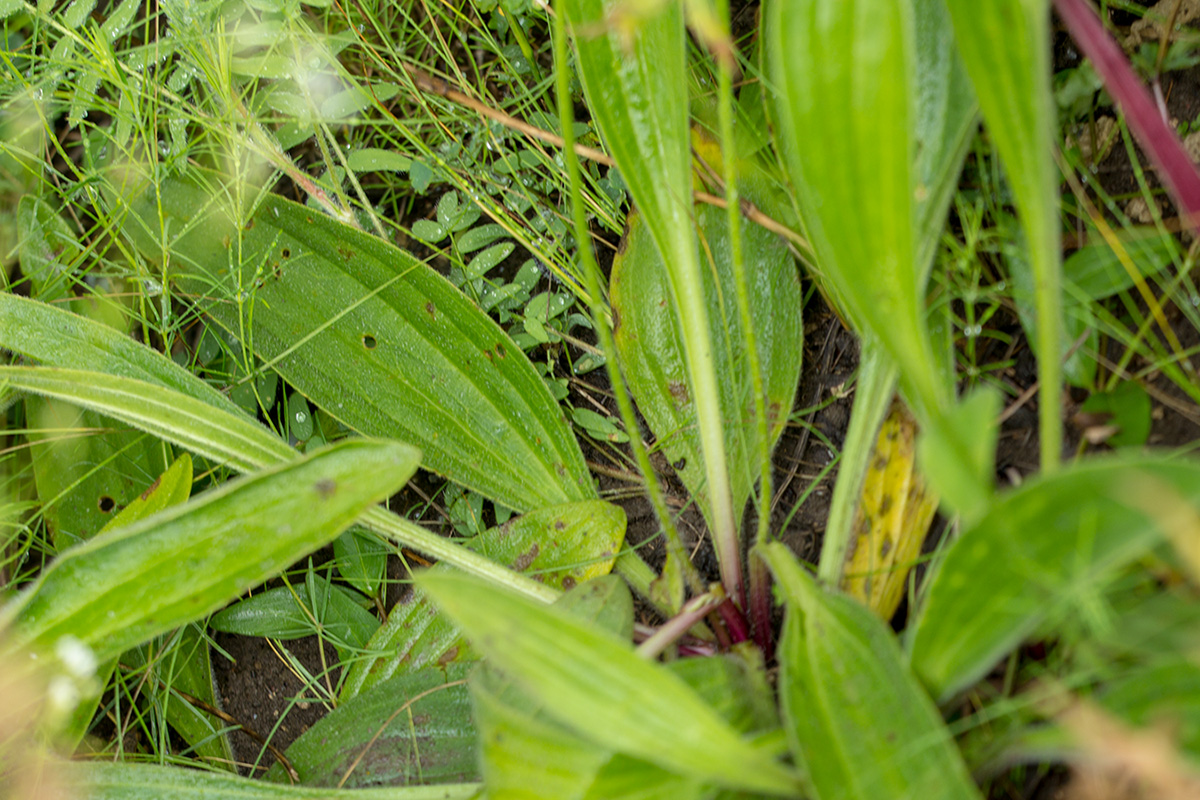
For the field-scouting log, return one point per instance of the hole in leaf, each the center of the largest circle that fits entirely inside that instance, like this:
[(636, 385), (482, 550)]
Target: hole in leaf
[(286, 252), (106, 504), (369, 341)]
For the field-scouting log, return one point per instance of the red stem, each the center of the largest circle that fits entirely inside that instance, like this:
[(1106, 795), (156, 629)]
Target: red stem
[(1157, 138)]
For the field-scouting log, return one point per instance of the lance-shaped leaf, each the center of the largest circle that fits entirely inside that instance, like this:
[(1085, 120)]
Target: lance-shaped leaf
[(1035, 549), (125, 586), (413, 729), (59, 338), (595, 684), (100, 781), (177, 406), (634, 74), (561, 546), (1006, 48), (856, 718), (217, 434), (843, 75), (374, 337), (652, 357)]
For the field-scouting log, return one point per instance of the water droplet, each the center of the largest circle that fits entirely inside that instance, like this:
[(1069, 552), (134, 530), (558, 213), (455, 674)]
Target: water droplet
[(1196, 299), (276, 211), (301, 417), (38, 94)]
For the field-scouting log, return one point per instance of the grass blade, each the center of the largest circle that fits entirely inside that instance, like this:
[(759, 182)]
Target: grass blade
[(856, 717), (1036, 549), (125, 586)]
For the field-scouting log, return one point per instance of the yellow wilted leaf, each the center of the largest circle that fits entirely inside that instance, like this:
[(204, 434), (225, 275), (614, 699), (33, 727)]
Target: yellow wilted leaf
[(893, 516)]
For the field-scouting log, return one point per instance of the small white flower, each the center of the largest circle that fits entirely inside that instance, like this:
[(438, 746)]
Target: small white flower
[(76, 656)]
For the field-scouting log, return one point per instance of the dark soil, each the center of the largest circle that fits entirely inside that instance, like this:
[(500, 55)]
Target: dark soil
[(260, 690)]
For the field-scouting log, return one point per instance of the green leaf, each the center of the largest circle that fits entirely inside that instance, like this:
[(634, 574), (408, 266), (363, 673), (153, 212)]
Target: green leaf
[(652, 358), (414, 636), (634, 77), (1037, 548), (170, 489), (481, 264), (845, 101), (414, 729), (946, 118), (1128, 408), (293, 612), (121, 781), (1006, 49), (856, 718), (428, 231), (523, 750), (1095, 271), (380, 341), (182, 409), (49, 251), (123, 587), (595, 684), (61, 339), (211, 432), (361, 560), (597, 426), (964, 481), (562, 546), (86, 467), (479, 237), (373, 159)]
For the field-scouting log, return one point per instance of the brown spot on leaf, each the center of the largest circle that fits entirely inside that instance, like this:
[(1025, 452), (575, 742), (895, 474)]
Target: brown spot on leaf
[(525, 559), (886, 547), (325, 487), (568, 582), (250, 223), (559, 524), (500, 350), (345, 253), (151, 488), (679, 392), (226, 241), (286, 252), (448, 656), (431, 310)]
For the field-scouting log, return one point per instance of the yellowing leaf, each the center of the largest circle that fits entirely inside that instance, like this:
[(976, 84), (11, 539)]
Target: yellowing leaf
[(892, 518)]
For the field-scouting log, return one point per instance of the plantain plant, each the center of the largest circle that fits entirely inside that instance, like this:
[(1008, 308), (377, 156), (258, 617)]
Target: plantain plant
[(515, 666)]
